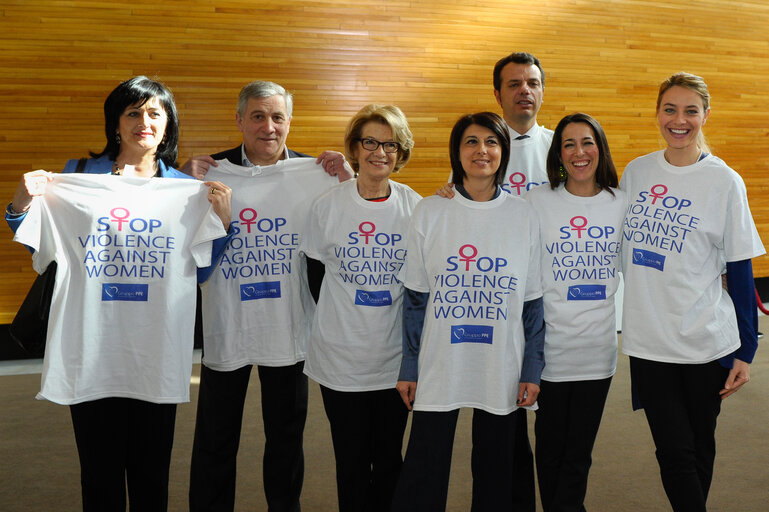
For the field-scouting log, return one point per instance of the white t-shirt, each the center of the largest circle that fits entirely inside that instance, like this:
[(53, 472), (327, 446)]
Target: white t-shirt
[(479, 261), (123, 309), (581, 239), (257, 305), (356, 339), (683, 224), (526, 168)]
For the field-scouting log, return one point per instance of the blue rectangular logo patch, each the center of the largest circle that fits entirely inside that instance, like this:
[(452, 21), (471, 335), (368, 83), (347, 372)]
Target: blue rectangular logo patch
[(124, 291), (376, 299), (587, 292), (472, 334), (648, 259), (265, 290)]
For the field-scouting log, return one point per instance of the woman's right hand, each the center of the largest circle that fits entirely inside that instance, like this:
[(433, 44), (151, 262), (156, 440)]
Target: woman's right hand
[(408, 391), (446, 191), (32, 184)]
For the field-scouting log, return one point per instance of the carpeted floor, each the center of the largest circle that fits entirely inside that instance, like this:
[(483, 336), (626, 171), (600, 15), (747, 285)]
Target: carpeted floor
[(39, 466)]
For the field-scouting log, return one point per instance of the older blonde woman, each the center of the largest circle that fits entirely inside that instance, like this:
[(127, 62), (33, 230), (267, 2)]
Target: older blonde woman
[(358, 231)]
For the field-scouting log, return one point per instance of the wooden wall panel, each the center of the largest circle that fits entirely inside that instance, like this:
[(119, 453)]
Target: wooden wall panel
[(60, 58)]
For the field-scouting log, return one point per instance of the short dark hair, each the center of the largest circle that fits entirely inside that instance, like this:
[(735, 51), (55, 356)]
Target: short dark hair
[(605, 173), (518, 58), (137, 91), (493, 122)]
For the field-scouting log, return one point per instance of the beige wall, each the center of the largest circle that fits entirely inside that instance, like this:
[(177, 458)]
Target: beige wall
[(432, 58)]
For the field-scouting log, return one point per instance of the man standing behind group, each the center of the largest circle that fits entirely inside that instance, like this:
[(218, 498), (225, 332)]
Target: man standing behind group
[(263, 117), (519, 84)]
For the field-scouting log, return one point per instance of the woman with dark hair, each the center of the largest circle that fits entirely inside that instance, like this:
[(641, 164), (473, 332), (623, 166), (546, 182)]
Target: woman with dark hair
[(120, 334), (580, 226), (358, 231), (690, 341), (473, 327)]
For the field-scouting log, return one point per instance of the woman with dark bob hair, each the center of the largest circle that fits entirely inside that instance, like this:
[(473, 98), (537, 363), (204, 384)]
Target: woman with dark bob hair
[(473, 327), (358, 231), (580, 219), (127, 249)]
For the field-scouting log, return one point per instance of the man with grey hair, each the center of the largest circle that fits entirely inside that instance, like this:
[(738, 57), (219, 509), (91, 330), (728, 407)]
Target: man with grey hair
[(263, 117)]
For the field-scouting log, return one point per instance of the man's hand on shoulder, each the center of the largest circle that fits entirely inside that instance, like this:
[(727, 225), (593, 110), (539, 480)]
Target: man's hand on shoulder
[(198, 165), (334, 164)]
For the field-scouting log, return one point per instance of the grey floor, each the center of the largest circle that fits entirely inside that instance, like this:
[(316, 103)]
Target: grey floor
[(39, 465)]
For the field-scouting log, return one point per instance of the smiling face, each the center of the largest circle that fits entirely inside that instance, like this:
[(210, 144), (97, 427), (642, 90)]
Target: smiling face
[(264, 126), (142, 127), (520, 95), (681, 115), (375, 165), (580, 156), (479, 153)]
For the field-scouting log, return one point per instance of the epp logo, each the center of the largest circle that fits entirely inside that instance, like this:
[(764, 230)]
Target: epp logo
[(648, 259), (256, 291), (373, 298), (587, 292), (472, 334), (124, 292)]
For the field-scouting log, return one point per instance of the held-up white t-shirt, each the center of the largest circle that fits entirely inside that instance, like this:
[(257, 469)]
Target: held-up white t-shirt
[(123, 308), (356, 338), (581, 239), (683, 224), (479, 261), (257, 306), (527, 168)]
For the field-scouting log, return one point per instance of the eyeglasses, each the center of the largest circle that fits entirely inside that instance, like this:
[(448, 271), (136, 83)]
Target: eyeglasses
[(373, 144)]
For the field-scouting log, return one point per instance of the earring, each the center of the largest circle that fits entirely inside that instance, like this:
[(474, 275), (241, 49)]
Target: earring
[(562, 173), (117, 138)]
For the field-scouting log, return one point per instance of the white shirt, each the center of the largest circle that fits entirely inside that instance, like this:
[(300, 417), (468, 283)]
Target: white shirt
[(683, 224), (356, 337), (526, 168), (257, 305), (581, 239), (123, 309), (479, 261)]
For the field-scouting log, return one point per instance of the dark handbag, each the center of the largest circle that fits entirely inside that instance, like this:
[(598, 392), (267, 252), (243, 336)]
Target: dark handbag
[(30, 325)]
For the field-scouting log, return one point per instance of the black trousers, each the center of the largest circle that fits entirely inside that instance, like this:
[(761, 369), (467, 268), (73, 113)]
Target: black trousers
[(524, 499), (124, 441), (367, 431), (682, 404), (217, 436), (424, 482), (567, 423)]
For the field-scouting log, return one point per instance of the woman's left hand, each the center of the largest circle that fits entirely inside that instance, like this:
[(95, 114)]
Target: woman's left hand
[(527, 394), (334, 164), (738, 375), (220, 196)]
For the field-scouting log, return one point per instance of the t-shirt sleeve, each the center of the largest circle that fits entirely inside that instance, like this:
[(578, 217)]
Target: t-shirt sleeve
[(210, 229), (413, 275), (37, 234), (741, 240), (311, 231), (534, 278)]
